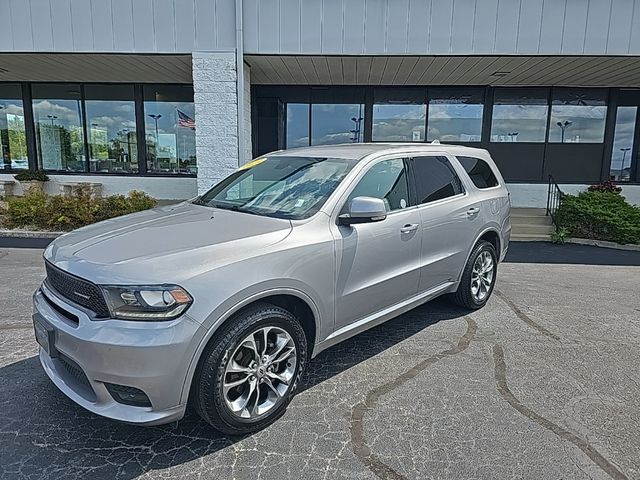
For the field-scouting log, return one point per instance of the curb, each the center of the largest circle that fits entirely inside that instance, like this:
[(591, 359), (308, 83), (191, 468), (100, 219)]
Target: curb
[(603, 244), (29, 234)]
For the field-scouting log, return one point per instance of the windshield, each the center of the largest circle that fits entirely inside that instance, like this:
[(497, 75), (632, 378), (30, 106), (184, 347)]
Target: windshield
[(283, 187)]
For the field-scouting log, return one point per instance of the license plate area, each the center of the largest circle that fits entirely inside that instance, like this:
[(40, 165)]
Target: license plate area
[(45, 335)]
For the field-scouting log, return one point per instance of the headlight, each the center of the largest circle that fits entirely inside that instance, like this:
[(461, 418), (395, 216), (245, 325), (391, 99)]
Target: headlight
[(156, 302)]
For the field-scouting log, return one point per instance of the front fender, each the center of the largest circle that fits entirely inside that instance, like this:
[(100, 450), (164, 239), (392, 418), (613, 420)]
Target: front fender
[(234, 304)]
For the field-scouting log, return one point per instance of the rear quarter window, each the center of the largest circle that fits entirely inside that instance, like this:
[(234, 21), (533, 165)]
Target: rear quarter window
[(479, 171)]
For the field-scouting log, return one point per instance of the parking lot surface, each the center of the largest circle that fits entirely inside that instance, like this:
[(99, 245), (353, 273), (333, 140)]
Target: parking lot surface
[(541, 383)]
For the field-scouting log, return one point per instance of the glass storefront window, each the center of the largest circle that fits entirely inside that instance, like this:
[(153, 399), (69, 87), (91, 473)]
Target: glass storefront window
[(399, 115), (170, 129), (623, 144), (13, 141), (455, 116), (111, 128), (297, 125), (57, 111), (577, 116), (337, 123), (519, 115)]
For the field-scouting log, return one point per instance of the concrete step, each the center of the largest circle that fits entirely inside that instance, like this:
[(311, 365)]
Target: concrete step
[(523, 237), (528, 212), (532, 229), (526, 220)]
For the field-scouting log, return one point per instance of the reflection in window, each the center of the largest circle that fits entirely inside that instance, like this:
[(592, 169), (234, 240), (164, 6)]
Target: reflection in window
[(386, 180), (398, 123), (13, 142), (623, 144), (455, 117), (337, 123), (57, 111), (297, 125), (577, 116), (519, 116), (170, 129), (111, 128)]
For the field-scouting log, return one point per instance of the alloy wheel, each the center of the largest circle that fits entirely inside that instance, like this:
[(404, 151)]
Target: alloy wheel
[(482, 276), (260, 372)]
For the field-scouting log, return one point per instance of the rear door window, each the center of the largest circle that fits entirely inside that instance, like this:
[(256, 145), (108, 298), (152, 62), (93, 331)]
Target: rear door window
[(435, 179), (479, 171)]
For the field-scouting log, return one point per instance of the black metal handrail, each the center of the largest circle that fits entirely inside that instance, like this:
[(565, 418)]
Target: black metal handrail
[(554, 197)]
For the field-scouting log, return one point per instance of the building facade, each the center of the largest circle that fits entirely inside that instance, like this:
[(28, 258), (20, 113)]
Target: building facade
[(169, 96)]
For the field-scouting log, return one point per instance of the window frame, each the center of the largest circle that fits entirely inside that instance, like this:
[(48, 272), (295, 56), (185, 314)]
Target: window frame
[(454, 169), (341, 204), (493, 172), (34, 159), (27, 111)]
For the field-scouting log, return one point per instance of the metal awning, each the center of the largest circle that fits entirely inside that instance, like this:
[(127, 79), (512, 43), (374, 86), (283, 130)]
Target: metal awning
[(579, 70)]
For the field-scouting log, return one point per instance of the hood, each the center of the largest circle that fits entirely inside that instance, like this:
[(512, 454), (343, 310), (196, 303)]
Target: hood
[(164, 243)]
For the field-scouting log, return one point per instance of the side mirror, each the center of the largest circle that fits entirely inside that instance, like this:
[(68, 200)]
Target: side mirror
[(364, 210)]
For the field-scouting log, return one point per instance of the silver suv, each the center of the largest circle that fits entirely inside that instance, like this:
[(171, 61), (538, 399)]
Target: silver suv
[(222, 300)]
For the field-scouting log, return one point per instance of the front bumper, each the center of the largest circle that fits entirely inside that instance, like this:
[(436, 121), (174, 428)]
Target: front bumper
[(151, 356)]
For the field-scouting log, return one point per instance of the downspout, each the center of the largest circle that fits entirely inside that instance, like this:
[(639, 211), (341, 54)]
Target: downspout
[(240, 81)]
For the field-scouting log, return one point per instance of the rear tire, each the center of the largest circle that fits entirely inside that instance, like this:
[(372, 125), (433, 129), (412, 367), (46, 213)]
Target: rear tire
[(244, 383), (478, 277)]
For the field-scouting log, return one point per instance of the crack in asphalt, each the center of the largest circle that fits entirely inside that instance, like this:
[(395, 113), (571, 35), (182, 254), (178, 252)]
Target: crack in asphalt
[(503, 388), (524, 317), (358, 440)]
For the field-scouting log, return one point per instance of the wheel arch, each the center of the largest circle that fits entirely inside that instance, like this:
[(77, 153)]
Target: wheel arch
[(490, 234), (293, 300)]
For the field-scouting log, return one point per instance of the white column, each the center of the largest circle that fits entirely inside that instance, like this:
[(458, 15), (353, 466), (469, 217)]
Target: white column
[(248, 153), (216, 109)]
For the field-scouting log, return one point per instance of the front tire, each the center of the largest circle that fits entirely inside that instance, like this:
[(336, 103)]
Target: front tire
[(478, 277), (250, 372)]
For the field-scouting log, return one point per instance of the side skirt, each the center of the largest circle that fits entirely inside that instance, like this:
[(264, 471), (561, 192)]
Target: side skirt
[(382, 316)]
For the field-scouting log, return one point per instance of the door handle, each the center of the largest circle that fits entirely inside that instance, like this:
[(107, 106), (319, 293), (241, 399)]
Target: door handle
[(473, 211), (409, 227)]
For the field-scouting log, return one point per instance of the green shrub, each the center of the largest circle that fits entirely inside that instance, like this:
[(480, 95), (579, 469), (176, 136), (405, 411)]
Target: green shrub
[(560, 236), (29, 175), (41, 212), (600, 216)]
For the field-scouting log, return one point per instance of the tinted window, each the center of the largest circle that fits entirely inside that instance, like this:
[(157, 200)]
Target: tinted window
[(479, 171), (519, 115), (578, 116), (170, 129), (435, 179), (57, 111), (386, 180), (13, 140), (455, 115)]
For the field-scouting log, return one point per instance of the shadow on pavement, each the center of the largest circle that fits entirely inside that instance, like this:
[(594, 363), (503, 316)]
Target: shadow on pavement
[(544, 252), (44, 434)]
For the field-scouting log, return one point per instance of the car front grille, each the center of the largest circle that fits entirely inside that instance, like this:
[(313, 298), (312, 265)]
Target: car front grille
[(78, 290)]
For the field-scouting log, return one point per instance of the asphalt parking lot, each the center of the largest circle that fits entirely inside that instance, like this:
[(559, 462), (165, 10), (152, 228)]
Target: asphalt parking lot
[(542, 383)]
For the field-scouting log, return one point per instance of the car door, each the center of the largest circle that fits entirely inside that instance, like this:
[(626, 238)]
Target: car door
[(449, 219), (378, 263)]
